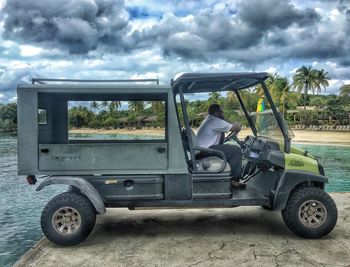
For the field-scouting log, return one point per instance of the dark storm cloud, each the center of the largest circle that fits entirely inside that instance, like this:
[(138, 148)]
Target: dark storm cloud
[(212, 33), (259, 31), (249, 32), (208, 32), (76, 25), (264, 15)]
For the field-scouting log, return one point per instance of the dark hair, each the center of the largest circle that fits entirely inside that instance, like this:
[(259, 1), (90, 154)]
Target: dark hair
[(214, 108)]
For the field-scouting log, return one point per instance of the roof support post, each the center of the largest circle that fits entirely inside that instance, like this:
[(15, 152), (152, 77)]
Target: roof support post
[(246, 113), (188, 128)]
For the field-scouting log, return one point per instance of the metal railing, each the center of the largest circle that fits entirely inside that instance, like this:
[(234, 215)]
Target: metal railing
[(45, 80)]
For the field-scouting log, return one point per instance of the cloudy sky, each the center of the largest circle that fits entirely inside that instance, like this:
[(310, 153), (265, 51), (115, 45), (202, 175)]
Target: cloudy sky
[(118, 39)]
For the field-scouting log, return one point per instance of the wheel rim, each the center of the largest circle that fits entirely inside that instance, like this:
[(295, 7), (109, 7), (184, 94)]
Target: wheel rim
[(312, 213), (66, 221)]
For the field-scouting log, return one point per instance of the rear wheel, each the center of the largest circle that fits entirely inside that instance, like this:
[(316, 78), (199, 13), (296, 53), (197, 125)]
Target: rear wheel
[(310, 212), (68, 219)]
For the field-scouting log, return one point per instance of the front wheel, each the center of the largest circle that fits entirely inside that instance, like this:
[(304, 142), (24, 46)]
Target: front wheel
[(68, 219), (310, 212)]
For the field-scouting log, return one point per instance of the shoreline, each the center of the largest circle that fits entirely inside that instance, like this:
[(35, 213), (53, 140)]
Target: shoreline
[(301, 136)]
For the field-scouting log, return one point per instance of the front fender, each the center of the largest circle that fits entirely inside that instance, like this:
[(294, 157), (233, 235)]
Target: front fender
[(288, 181), (82, 185)]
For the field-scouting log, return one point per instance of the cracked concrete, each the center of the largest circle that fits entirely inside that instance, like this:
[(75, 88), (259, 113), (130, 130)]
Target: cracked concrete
[(244, 236)]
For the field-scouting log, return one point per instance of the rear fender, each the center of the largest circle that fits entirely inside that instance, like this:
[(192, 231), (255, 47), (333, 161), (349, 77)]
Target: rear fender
[(80, 183), (289, 180)]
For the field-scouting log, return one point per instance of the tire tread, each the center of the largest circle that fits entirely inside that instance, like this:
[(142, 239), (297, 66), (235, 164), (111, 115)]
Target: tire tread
[(84, 203), (292, 222)]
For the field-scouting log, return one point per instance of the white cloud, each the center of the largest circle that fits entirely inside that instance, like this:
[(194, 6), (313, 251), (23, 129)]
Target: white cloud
[(293, 70), (29, 50), (334, 14), (141, 24), (271, 70), (13, 99)]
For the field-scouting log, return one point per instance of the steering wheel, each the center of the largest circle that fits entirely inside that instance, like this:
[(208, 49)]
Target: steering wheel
[(234, 136)]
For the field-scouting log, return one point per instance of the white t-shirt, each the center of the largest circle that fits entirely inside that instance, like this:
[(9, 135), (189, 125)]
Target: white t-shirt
[(209, 132)]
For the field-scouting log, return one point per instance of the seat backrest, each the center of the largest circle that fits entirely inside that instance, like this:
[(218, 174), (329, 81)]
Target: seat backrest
[(208, 163), (194, 138), (185, 140)]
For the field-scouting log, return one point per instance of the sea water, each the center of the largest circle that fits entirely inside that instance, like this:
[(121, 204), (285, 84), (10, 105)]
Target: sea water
[(21, 205)]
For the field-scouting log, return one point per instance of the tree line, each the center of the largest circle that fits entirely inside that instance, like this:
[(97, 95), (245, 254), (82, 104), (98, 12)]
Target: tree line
[(304, 90), (108, 114)]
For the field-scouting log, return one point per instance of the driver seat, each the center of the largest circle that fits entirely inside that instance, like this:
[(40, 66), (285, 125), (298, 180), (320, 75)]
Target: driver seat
[(207, 160)]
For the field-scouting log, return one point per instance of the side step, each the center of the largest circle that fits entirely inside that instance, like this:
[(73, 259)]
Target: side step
[(249, 196)]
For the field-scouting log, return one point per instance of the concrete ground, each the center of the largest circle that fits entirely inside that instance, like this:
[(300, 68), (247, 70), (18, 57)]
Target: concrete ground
[(244, 236)]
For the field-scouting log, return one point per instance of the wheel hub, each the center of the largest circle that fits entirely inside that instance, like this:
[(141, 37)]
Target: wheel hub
[(312, 213), (66, 220)]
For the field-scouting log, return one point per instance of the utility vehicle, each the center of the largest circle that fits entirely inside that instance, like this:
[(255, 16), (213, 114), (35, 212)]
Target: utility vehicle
[(164, 172)]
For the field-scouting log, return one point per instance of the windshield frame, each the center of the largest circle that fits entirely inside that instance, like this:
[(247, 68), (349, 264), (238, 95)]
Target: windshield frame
[(280, 121), (181, 86)]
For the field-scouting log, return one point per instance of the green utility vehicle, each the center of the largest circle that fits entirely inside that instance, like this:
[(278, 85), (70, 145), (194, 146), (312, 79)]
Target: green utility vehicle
[(164, 172)]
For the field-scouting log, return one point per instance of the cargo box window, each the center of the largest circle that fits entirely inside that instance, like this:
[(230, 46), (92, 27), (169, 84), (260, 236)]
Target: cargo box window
[(116, 120), (42, 116)]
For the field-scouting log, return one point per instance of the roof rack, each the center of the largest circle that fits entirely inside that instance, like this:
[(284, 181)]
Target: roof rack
[(44, 81)]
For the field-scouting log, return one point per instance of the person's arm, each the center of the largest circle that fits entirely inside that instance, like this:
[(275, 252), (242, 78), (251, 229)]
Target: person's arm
[(236, 126), (220, 125)]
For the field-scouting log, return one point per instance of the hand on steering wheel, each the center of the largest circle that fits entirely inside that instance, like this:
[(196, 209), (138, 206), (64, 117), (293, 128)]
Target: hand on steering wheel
[(234, 136)]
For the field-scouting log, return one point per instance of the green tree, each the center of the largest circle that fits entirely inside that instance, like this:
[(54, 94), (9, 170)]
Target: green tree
[(9, 112), (250, 99), (305, 80), (214, 98), (136, 106), (157, 106), (319, 102), (322, 80), (345, 93), (8, 117), (280, 92), (113, 106), (104, 104), (94, 105), (232, 100), (79, 117)]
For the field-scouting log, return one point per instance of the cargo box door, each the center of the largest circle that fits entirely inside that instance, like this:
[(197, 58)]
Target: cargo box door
[(104, 157)]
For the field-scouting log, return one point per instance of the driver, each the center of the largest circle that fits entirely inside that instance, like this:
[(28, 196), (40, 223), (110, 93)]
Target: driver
[(211, 134)]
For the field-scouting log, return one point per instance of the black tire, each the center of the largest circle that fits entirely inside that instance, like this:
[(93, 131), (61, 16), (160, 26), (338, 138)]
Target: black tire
[(297, 199), (82, 208)]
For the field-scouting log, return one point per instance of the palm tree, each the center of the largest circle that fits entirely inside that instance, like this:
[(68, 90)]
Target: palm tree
[(157, 106), (249, 99), (94, 105), (113, 106), (104, 104), (214, 98), (285, 96), (322, 80), (276, 84), (305, 80), (231, 97), (136, 106)]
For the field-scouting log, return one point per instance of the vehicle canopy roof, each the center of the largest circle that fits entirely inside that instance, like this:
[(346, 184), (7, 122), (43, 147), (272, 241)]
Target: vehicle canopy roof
[(209, 82)]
